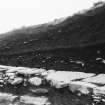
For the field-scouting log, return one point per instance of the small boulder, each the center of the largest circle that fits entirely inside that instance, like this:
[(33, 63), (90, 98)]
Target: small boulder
[(16, 81), (35, 81)]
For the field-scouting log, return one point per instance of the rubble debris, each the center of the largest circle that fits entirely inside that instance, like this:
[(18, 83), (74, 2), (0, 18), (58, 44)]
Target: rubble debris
[(79, 83)]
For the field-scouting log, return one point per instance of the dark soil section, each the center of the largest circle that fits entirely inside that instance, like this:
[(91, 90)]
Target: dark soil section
[(61, 59)]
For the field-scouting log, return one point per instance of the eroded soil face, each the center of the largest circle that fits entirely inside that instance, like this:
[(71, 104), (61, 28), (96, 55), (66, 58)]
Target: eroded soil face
[(86, 59)]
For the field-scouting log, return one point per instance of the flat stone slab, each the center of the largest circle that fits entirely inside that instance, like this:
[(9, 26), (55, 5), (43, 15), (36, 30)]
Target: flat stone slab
[(60, 78), (98, 79), (10, 99), (82, 87), (41, 100), (7, 96)]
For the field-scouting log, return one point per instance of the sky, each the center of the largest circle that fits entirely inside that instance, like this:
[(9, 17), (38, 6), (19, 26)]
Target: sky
[(18, 13)]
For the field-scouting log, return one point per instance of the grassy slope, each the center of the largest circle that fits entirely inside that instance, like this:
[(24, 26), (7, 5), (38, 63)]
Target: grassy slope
[(51, 45), (78, 30)]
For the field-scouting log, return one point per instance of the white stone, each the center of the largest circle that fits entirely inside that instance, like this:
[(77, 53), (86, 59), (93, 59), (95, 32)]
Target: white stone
[(99, 90), (51, 71), (5, 68), (16, 81), (10, 74), (82, 87), (29, 71), (80, 62), (98, 79), (12, 70), (7, 96), (42, 100), (1, 81), (103, 60), (35, 81), (39, 90), (61, 78), (98, 59)]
